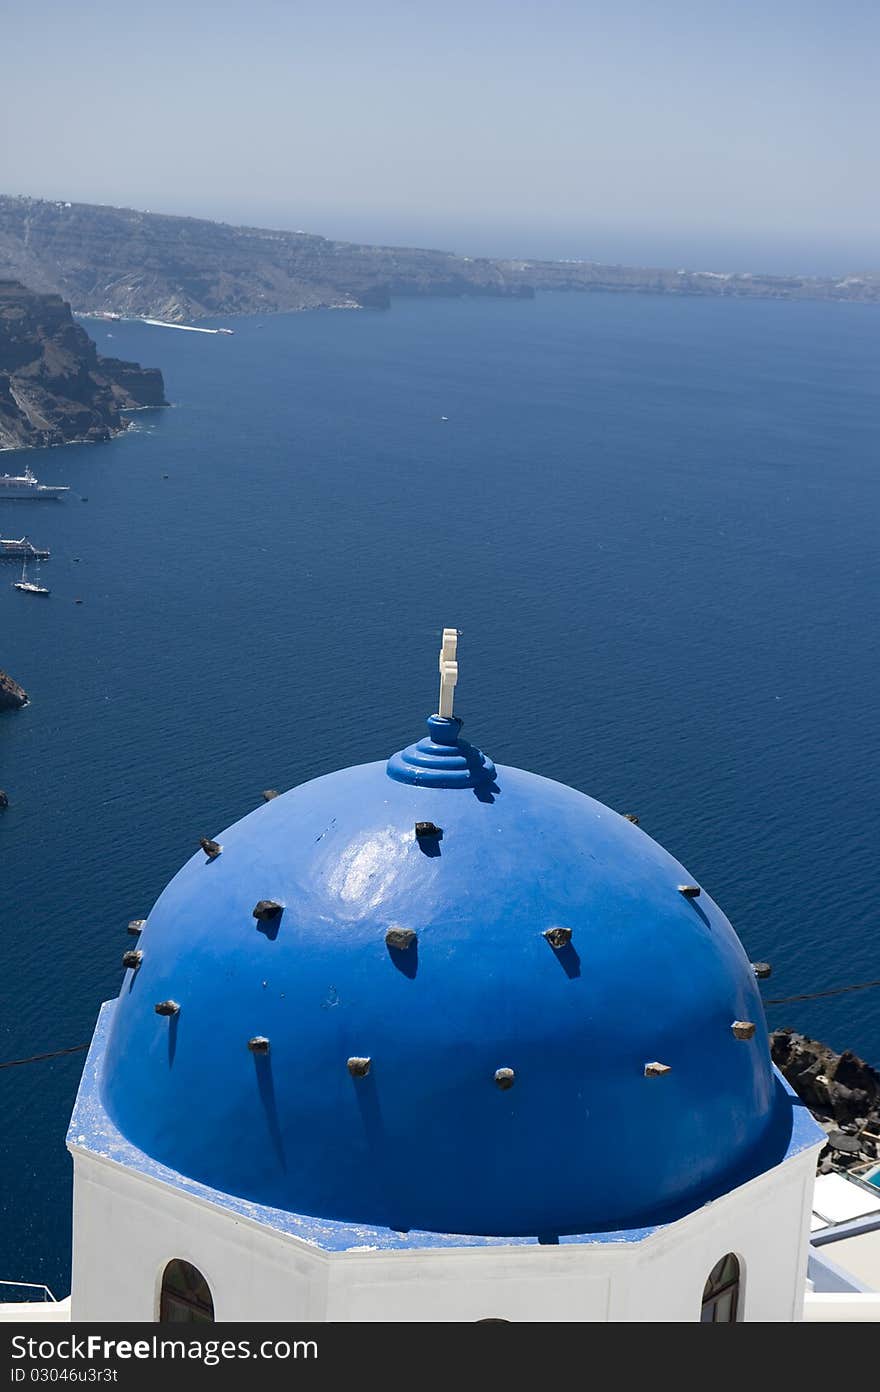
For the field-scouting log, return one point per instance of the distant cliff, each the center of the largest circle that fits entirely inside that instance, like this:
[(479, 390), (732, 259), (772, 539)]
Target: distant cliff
[(12, 696), (176, 268), (54, 388)]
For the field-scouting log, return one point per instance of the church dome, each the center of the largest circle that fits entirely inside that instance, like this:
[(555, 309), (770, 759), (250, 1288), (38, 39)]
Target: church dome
[(430, 993)]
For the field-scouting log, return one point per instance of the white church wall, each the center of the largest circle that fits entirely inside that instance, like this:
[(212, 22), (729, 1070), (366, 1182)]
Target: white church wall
[(539, 1284), (127, 1226), (764, 1223)]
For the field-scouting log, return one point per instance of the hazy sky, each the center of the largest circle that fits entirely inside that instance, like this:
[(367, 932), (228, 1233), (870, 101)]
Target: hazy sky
[(739, 135)]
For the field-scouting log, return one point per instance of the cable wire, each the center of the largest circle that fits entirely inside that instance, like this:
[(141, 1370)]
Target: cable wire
[(36, 1058), (816, 995)]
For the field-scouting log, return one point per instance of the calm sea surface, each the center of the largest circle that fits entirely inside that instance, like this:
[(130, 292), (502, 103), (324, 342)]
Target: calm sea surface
[(655, 522)]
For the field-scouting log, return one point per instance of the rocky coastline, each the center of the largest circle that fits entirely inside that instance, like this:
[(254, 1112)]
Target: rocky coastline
[(180, 269), (841, 1090), (12, 696), (55, 389)]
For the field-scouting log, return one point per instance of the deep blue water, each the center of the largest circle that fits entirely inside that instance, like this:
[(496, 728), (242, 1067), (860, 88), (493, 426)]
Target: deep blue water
[(654, 521)]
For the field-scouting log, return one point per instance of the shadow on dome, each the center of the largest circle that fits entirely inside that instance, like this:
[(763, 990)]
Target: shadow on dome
[(405, 959), (568, 959), (367, 1096), (483, 781), (266, 1089), (430, 845), (700, 912), (172, 1039)]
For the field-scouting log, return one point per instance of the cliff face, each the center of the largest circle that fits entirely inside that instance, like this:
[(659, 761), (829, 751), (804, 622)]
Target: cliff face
[(187, 268), (838, 1086), (12, 696), (182, 269), (54, 388)]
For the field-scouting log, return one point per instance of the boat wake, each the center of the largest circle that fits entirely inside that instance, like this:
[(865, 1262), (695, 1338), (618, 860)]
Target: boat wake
[(187, 328)]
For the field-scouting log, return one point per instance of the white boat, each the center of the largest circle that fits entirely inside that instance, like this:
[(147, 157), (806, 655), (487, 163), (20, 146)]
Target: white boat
[(16, 486), (12, 549), (28, 586)]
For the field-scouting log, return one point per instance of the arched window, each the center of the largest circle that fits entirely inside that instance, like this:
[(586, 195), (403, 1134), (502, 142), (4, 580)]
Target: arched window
[(721, 1293), (186, 1297)]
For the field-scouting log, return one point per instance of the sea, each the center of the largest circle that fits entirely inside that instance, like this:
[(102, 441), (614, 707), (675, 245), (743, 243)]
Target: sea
[(654, 521)]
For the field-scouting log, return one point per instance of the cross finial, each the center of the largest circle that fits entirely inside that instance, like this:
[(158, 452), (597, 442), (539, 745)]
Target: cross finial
[(448, 671)]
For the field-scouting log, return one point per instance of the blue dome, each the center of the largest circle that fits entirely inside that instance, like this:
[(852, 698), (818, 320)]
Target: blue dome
[(400, 1044)]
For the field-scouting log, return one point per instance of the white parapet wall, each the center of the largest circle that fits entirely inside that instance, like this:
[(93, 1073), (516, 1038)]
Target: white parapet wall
[(852, 1307), (36, 1312)]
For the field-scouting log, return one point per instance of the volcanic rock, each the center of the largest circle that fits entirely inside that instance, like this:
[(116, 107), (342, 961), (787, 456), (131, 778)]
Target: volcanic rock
[(54, 387), (839, 1087), (12, 696)]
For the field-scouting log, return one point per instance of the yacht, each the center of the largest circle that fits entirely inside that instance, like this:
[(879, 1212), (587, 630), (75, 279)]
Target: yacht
[(26, 585), (27, 486), (22, 548)]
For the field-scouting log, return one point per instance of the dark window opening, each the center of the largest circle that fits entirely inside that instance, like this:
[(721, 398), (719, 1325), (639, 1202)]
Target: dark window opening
[(186, 1297), (721, 1294)]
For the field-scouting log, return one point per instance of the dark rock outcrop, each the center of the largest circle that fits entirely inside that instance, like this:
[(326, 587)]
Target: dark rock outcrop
[(838, 1087), (54, 388), (132, 385), (180, 269), (12, 696)]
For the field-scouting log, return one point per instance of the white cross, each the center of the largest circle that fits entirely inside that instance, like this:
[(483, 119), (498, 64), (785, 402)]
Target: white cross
[(448, 671)]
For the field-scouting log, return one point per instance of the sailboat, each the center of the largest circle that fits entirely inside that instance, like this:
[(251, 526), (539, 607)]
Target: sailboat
[(28, 586)]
